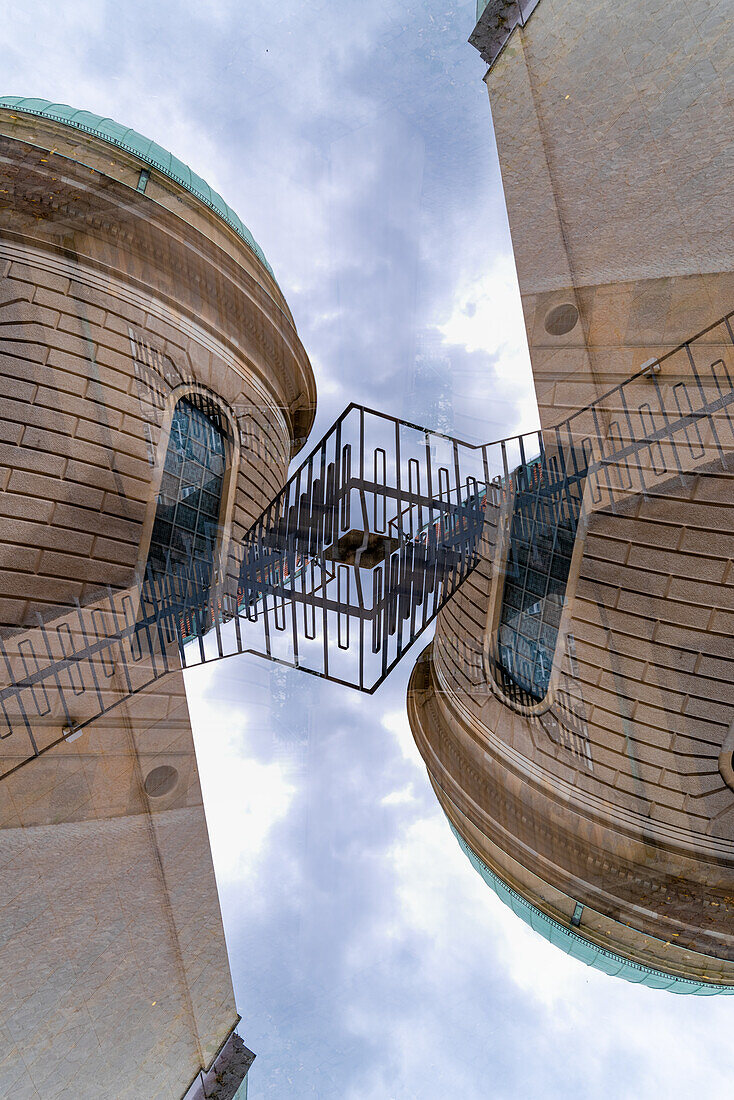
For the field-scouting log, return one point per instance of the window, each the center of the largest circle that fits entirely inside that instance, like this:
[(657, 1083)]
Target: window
[(546, 508), (186, 526)]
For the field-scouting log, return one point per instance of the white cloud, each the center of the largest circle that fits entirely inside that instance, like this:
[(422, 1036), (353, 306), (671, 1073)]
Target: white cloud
[(486, 316), (477, 958), (396, 722), (244, 798), (398, 798), (453, 995)]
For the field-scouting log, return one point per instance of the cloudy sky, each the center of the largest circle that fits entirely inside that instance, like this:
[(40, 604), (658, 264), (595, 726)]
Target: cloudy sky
[(370, 961)]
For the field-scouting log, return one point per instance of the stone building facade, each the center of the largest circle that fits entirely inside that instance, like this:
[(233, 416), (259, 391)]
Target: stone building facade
[(597, 794), (134, 307)]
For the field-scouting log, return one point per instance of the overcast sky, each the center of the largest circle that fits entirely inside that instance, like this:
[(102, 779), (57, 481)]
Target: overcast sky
[(370, 961)]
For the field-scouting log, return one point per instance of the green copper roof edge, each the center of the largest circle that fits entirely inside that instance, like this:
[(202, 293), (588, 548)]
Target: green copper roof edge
[(225, 212), (528, 913)]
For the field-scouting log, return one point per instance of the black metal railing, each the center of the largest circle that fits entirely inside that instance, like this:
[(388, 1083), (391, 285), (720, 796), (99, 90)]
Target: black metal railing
[(358, 552), (671, 418), (369, 538)]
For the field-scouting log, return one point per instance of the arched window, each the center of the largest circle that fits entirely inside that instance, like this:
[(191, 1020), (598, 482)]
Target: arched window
[(187, 519), (542, 532)]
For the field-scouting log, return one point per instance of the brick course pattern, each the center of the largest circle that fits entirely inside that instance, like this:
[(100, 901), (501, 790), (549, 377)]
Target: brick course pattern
[(615, 792), (112, 304)]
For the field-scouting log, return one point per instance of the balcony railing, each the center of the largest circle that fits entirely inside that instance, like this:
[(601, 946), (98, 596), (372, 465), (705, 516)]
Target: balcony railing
[(369, 538)]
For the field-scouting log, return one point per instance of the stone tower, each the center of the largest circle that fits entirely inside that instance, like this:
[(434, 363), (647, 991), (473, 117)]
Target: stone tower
[(153, 391), (575, 708)]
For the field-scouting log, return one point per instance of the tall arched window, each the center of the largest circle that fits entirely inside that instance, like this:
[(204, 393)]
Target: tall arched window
[(542, 532), (187, 519)]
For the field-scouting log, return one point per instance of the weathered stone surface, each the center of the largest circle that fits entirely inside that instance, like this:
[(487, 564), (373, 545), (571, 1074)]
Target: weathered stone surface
[(115, 977), (614, 140)]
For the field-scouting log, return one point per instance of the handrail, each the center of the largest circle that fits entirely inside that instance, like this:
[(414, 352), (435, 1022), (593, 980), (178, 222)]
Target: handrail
[(353, 558)]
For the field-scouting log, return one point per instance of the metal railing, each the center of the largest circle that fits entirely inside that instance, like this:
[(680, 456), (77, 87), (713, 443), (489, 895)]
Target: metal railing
[(369, 538), (672, 417), (361, 548)]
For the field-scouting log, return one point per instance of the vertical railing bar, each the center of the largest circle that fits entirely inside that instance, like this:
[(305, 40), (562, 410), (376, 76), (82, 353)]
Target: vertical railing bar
[(637, 451), (294, 551), (689, 420), (337, 478), (602, 459), (701, 391), (69, 663), (54, 666), (36, 682), (142, 606), (458, 562), (91, 662), (564, 476), (322, 527), (265, 568), (12, 683), (485, 467), (200, 609), (118, 639), (398, 482), (666, 421)]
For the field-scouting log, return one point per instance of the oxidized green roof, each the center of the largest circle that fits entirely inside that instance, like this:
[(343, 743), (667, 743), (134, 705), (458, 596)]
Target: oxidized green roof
[(573, 944), (143, 148)]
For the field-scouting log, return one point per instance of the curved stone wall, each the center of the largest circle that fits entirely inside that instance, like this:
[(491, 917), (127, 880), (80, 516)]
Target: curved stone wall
[(114, 303), (614, 800), (108, 303), (617, 793)]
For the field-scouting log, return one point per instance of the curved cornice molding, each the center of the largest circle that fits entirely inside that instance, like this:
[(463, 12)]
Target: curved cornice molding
[(79, 214), (534, 828)]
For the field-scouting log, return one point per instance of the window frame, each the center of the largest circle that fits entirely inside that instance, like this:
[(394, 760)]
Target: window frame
[(496, 599), (229, 482)]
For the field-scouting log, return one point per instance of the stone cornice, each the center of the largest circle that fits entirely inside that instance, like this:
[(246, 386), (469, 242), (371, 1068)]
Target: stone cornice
[(592, 862), (69, 208)]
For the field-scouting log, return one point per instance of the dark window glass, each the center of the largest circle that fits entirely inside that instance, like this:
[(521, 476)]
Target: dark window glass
[(546, 508), (186, 522)]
